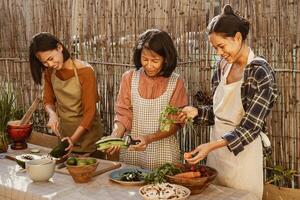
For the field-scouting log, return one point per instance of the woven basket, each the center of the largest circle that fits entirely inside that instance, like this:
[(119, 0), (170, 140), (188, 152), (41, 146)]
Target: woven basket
[(82, 174), (196, 185)]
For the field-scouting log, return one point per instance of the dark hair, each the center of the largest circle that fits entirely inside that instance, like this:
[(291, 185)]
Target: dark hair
[(42, 42), (161, 43), (229, 23)]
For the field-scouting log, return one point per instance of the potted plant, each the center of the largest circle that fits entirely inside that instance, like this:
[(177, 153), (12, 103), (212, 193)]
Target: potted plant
[(8, 111), (281, 183)]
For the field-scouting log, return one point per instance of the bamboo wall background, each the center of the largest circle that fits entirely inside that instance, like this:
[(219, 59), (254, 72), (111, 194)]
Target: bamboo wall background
[(103, 33)]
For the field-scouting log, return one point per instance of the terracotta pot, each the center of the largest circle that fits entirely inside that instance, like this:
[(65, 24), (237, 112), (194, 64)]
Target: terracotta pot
[(272, 192), (18, 134)]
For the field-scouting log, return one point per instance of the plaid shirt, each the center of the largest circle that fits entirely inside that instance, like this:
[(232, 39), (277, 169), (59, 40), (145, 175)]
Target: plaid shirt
[(258, 93)]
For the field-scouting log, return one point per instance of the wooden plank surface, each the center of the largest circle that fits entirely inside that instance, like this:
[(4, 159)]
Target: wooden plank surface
[(104, 166)]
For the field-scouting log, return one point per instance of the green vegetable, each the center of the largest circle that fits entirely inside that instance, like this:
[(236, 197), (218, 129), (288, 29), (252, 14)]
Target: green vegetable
[(107, 142), (81, 162), (72, 161), (91, 161), (59, 151), (135, 175), (166, 122), (160, 173), (22, 159)]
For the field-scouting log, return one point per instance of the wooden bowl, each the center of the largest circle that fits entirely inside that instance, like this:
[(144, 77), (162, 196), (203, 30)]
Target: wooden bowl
[(196, 185), (82, 174)]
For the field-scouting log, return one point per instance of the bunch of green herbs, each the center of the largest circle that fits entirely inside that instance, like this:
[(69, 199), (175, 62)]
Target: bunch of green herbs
[(7, 100), (165, 120), (281, 177), (159, 174)]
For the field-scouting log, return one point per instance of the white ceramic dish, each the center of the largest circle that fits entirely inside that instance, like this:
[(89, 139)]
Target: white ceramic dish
[(41, 169)]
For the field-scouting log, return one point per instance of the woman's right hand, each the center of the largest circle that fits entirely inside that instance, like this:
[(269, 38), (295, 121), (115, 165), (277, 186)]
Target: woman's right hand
[(53, 124), (186, 113)]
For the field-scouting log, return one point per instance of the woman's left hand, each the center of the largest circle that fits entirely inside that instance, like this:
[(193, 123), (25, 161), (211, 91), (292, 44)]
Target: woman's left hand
[(200, 153), (70, 147), (140, 146)]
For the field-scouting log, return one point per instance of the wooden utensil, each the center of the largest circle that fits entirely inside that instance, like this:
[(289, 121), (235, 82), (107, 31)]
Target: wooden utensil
[(29, 112)]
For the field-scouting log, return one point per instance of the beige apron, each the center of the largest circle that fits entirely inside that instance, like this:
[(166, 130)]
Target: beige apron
[(244, 171), (146, 121), (70, 111)]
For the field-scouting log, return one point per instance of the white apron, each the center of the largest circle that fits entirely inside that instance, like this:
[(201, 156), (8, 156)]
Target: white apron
[(244, 171), (146, 121)]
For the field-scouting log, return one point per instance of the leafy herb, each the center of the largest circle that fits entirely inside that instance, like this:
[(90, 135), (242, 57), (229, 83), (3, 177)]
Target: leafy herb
[(160, 173), (166, 122), (281, 177), (6, 107), (135, 175)]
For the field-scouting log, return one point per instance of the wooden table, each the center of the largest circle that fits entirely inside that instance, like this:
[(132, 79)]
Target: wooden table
[(16, 185)]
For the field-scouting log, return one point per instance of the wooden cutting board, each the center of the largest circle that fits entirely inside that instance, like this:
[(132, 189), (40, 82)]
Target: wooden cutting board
[(104, 166)]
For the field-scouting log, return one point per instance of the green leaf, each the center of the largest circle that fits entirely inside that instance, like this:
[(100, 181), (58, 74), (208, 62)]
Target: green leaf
[(166, 122)]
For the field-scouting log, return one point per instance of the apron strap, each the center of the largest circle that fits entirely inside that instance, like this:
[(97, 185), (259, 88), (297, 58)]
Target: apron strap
[(75, 71)]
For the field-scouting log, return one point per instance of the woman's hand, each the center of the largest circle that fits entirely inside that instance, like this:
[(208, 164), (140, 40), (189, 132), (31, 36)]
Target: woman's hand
[(140, 146), (200, 153), (113, 149), (70, 147), (118, 131), (186, 113), (53, 124), (203, 150)]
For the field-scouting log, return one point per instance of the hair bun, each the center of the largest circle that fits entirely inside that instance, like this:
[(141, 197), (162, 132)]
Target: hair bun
[(227, 10)]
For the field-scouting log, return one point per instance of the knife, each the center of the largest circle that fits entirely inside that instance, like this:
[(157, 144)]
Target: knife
[(129, 141), (10, 157), (60, 166)]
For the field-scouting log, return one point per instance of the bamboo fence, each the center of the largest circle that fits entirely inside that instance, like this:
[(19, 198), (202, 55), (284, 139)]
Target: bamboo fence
[(103, 33)]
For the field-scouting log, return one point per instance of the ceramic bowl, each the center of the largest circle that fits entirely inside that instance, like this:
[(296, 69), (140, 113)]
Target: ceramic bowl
[(41, 169)]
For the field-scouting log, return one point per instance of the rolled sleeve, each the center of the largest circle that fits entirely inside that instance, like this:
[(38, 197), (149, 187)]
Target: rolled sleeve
[(234, 143)]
